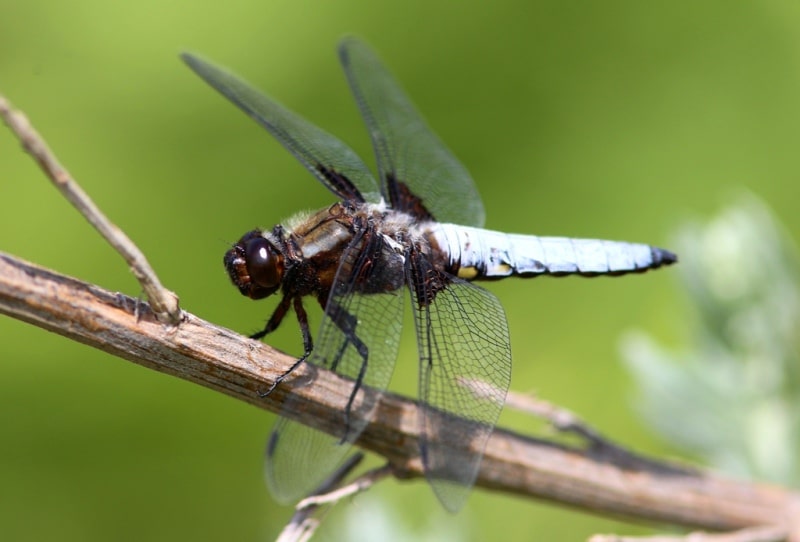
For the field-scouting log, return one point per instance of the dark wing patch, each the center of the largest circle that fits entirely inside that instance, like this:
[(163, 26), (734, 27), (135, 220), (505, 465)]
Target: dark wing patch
[(339, 183), (402, 199)]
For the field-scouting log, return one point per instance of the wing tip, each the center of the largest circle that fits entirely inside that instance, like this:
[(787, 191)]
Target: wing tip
[(345, 47), (192, 60)]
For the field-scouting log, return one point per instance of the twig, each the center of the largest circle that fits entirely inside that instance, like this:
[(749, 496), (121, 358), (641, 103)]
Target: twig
[(753, 534), (362, 483), (599, 446), (235, 365), (560, 418), (164, 302), (565, 421), (299, 530), (303, 525)]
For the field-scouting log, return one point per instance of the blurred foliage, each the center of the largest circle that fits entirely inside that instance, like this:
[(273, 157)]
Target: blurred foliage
[(732, 394), (597, 119)]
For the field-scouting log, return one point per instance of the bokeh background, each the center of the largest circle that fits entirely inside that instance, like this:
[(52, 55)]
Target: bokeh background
[(616, 119)]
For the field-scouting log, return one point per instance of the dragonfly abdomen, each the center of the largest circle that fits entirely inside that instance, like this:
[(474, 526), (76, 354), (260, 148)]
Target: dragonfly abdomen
[(476, 253)]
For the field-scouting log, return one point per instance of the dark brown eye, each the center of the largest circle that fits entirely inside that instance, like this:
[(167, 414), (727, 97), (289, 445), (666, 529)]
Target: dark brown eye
[(263, 263)]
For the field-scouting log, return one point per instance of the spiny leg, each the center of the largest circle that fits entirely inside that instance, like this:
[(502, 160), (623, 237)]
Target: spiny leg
[(308, 344), (350, 323), (276, 318), (347, 324)]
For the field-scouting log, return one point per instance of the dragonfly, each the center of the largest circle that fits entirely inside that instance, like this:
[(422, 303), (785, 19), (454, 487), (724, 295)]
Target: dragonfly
[(416, 230)]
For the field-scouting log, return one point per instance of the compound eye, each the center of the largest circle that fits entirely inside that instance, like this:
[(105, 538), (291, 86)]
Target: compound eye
[(263, 263)]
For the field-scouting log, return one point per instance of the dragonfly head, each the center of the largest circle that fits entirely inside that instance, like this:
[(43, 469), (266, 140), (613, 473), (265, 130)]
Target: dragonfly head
[(255, 265)]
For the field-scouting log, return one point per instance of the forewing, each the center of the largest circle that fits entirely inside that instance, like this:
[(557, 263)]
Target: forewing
[(465, 371), (418, 174), (298, 458), (331, 161)]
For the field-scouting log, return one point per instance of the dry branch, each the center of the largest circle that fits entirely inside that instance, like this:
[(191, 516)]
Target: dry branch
[(752, 534), (164, 302), (223, 360), (303, 524)]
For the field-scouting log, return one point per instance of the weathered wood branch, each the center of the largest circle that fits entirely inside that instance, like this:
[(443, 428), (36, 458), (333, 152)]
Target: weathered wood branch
[(601, 479)]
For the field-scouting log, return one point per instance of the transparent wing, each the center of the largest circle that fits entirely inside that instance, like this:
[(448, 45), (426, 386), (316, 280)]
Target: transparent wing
[(332, 162), (417, 172), (465, 371), (299, 458)]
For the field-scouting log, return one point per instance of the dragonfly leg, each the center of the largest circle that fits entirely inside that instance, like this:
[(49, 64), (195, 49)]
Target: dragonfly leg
[(308, 344), (276, 318), (344, 321), (347, 324)]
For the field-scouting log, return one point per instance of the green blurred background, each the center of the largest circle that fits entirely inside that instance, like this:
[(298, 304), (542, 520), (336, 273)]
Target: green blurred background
[(613, 119)]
